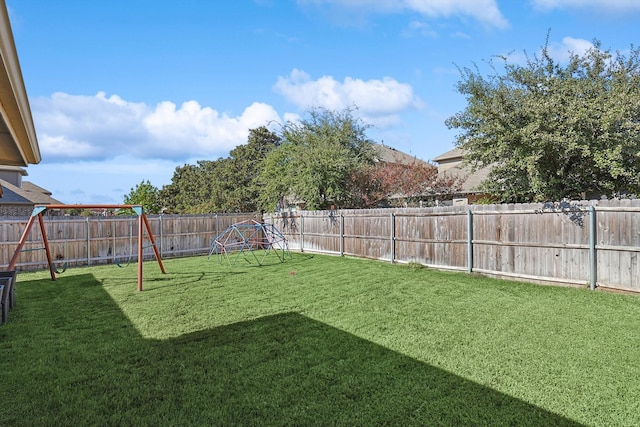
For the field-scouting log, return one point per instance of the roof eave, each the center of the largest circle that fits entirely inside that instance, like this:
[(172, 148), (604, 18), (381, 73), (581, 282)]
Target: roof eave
[(18, 141)]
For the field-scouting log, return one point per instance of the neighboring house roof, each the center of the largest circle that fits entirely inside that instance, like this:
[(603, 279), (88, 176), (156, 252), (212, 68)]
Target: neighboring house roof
[(451, 163), (18, 192), (18, 141), (391, 155), (473, 179), (451, 155), (29, 194)]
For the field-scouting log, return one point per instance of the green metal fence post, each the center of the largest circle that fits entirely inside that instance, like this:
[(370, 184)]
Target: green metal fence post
[(393, 237), (469, 241), (341, 235), (593, 267)]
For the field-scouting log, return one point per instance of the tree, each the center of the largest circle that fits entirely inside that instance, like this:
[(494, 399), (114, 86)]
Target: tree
[(222, 185), (246, 164), (553, 131), (146, 195), (401, 183), (315, 160), (188, 188)]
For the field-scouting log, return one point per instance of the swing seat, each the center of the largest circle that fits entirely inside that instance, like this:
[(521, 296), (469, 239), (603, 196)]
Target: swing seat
[(122, 265), (64, 268)]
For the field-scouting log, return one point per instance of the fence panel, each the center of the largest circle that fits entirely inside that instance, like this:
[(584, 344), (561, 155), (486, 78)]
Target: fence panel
[(538, 242), (434, 240), (618, 244), (531, 241), (95, 240)]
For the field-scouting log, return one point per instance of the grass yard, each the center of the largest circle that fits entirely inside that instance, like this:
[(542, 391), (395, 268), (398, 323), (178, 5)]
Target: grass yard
[(317, 340)]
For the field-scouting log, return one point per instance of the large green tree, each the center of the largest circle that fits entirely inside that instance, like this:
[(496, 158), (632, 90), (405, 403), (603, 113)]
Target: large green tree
[(146, 195), (195, 188), (222, 185), (246, 163), (315, 160), (552, 130)]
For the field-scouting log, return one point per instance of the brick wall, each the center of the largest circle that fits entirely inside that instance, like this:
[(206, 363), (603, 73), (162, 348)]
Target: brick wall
[(15, 210)]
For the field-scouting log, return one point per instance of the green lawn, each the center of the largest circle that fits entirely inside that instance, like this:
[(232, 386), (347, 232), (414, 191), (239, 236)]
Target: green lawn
[(317, 340)]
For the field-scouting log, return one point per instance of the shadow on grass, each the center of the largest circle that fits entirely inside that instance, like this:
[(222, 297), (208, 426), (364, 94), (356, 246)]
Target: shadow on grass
[(260, 260), (71, 357), (182, 278)]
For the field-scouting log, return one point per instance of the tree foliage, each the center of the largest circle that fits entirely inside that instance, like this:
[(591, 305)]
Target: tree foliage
[(247, 162), (551, 130), (192, 188), (223, 185), (146, 195), (401, 184), (315, 160), (323, 160)]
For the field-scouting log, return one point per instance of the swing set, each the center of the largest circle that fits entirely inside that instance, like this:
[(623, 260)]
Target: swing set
[(37, 214)]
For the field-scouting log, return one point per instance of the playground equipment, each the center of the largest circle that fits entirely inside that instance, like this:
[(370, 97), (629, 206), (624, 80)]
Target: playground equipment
[(243, 238), (37, 214)]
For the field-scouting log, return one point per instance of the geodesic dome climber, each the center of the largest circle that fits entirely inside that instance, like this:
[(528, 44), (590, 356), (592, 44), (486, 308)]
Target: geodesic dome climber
[(251, 240)]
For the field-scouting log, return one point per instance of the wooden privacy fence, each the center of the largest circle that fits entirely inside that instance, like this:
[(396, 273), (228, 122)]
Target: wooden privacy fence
[(590, 243), (595, 243), (94, 240)]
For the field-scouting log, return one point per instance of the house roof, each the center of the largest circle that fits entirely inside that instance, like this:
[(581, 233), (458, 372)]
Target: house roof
[(29, 194), (473, 178), (456, 168), (388, 154), (455, 154), (18, 141)]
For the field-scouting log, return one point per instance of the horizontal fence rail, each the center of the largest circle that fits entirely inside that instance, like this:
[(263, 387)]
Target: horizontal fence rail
[(589, 243), (93, 240)]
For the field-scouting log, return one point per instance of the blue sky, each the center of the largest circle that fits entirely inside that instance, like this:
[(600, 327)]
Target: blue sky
[(127, 90)]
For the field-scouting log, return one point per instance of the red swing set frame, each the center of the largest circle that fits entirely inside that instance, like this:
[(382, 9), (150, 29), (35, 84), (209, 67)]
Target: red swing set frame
[(39, 210)]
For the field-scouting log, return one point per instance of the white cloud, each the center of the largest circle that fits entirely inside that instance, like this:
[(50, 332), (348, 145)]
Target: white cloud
[(292, 118), (93, 127), (559, 51), (485, 11), (378, 101), (419, 28), (604, 5), (562, 51), (192, 129)]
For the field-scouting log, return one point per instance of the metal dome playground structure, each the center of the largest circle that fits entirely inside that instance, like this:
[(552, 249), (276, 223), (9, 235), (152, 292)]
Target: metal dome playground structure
[(252, 240)]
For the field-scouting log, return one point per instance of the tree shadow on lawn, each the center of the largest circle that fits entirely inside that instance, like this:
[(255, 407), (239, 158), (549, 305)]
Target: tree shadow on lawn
[(89, 365)]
